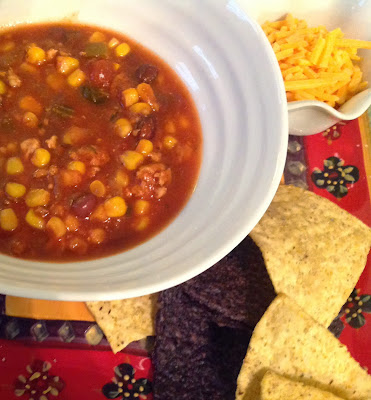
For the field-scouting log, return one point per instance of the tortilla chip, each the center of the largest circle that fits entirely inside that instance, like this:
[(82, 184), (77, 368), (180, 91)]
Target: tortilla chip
[(290, 342), (193, 358), (125, 321), (314, 251), (237, 289), (276, 387)]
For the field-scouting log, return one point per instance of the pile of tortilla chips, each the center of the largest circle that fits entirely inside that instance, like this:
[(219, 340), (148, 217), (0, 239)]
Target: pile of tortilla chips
[(289, 342), (312, 253)]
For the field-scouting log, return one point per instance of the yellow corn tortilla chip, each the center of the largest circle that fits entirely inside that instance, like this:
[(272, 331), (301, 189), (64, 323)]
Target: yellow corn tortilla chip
[(291, 343), (314, 251), (125, 321), (276, 387)]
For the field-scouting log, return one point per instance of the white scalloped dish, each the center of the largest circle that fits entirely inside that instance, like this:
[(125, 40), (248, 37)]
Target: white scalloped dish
[(353, 17)]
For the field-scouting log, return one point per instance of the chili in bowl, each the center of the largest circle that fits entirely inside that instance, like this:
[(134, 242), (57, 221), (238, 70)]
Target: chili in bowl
[(100, 145)]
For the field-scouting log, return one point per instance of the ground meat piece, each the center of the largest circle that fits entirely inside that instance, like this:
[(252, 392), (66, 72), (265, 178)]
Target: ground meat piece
[(120, 82), (160, 192), (154, 156), (53, 170), (78, 245), (28, 146), (153, 181), (93, 171), (40, 173), (13, 79), (92, 155), (183, 152), (18, 247), (52, 142), (50, 54), (57, 209), (42, 211), (164, 177)]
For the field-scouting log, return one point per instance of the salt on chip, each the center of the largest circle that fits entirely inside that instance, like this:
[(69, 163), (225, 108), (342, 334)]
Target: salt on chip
[(313, 250), (291, 343), (125, 321), (276, 387)]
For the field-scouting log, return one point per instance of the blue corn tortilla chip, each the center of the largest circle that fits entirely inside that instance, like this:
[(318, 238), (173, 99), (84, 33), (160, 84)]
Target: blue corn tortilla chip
[(193, 357), (237, 289)]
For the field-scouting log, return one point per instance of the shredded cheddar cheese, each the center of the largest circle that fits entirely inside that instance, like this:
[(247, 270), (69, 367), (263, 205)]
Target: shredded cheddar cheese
[(316, 64)]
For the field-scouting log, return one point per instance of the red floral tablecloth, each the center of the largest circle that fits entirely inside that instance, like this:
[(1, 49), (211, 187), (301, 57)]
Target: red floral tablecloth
[(44, 360)]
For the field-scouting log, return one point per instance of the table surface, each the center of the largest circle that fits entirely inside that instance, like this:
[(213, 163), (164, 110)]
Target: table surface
[(70, 359)]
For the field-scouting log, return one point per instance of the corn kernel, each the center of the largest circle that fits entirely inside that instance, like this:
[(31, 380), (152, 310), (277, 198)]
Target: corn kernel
[(29, 103), (97, 236), (72, 223), (184, 122), (8, 219), (29, 68), (141, 207), (142, 223), (130, 96), (2, 87), (7, 46), (115, 207), (141, 108), (147, 95), (170, 127), (99, 214), (169, 142), (97, 37), (75, 135), (77, 166), (97, 188), (122, 50), (14, 166), (35, 220), (30, 120), (144, 146), (15, 190), (35, 55), (77, 78), (40, 158), (12, 147), (122, 178), (66, 65), (55, 81), (131, 159), (70, 177), (57, 226), (113, 43), (123, 127), (37, 197), (116, 66)]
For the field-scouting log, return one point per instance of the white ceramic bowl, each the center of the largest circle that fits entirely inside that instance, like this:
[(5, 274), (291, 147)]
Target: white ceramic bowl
[(353, 17), (231, 71)]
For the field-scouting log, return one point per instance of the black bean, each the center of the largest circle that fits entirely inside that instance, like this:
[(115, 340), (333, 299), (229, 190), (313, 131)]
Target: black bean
[(147, 73), (84, 205), (146, 128)]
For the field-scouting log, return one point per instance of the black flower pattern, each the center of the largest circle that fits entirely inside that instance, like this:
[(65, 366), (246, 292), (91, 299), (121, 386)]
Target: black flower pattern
[(125, 386), (335, 176), (355, 307)]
